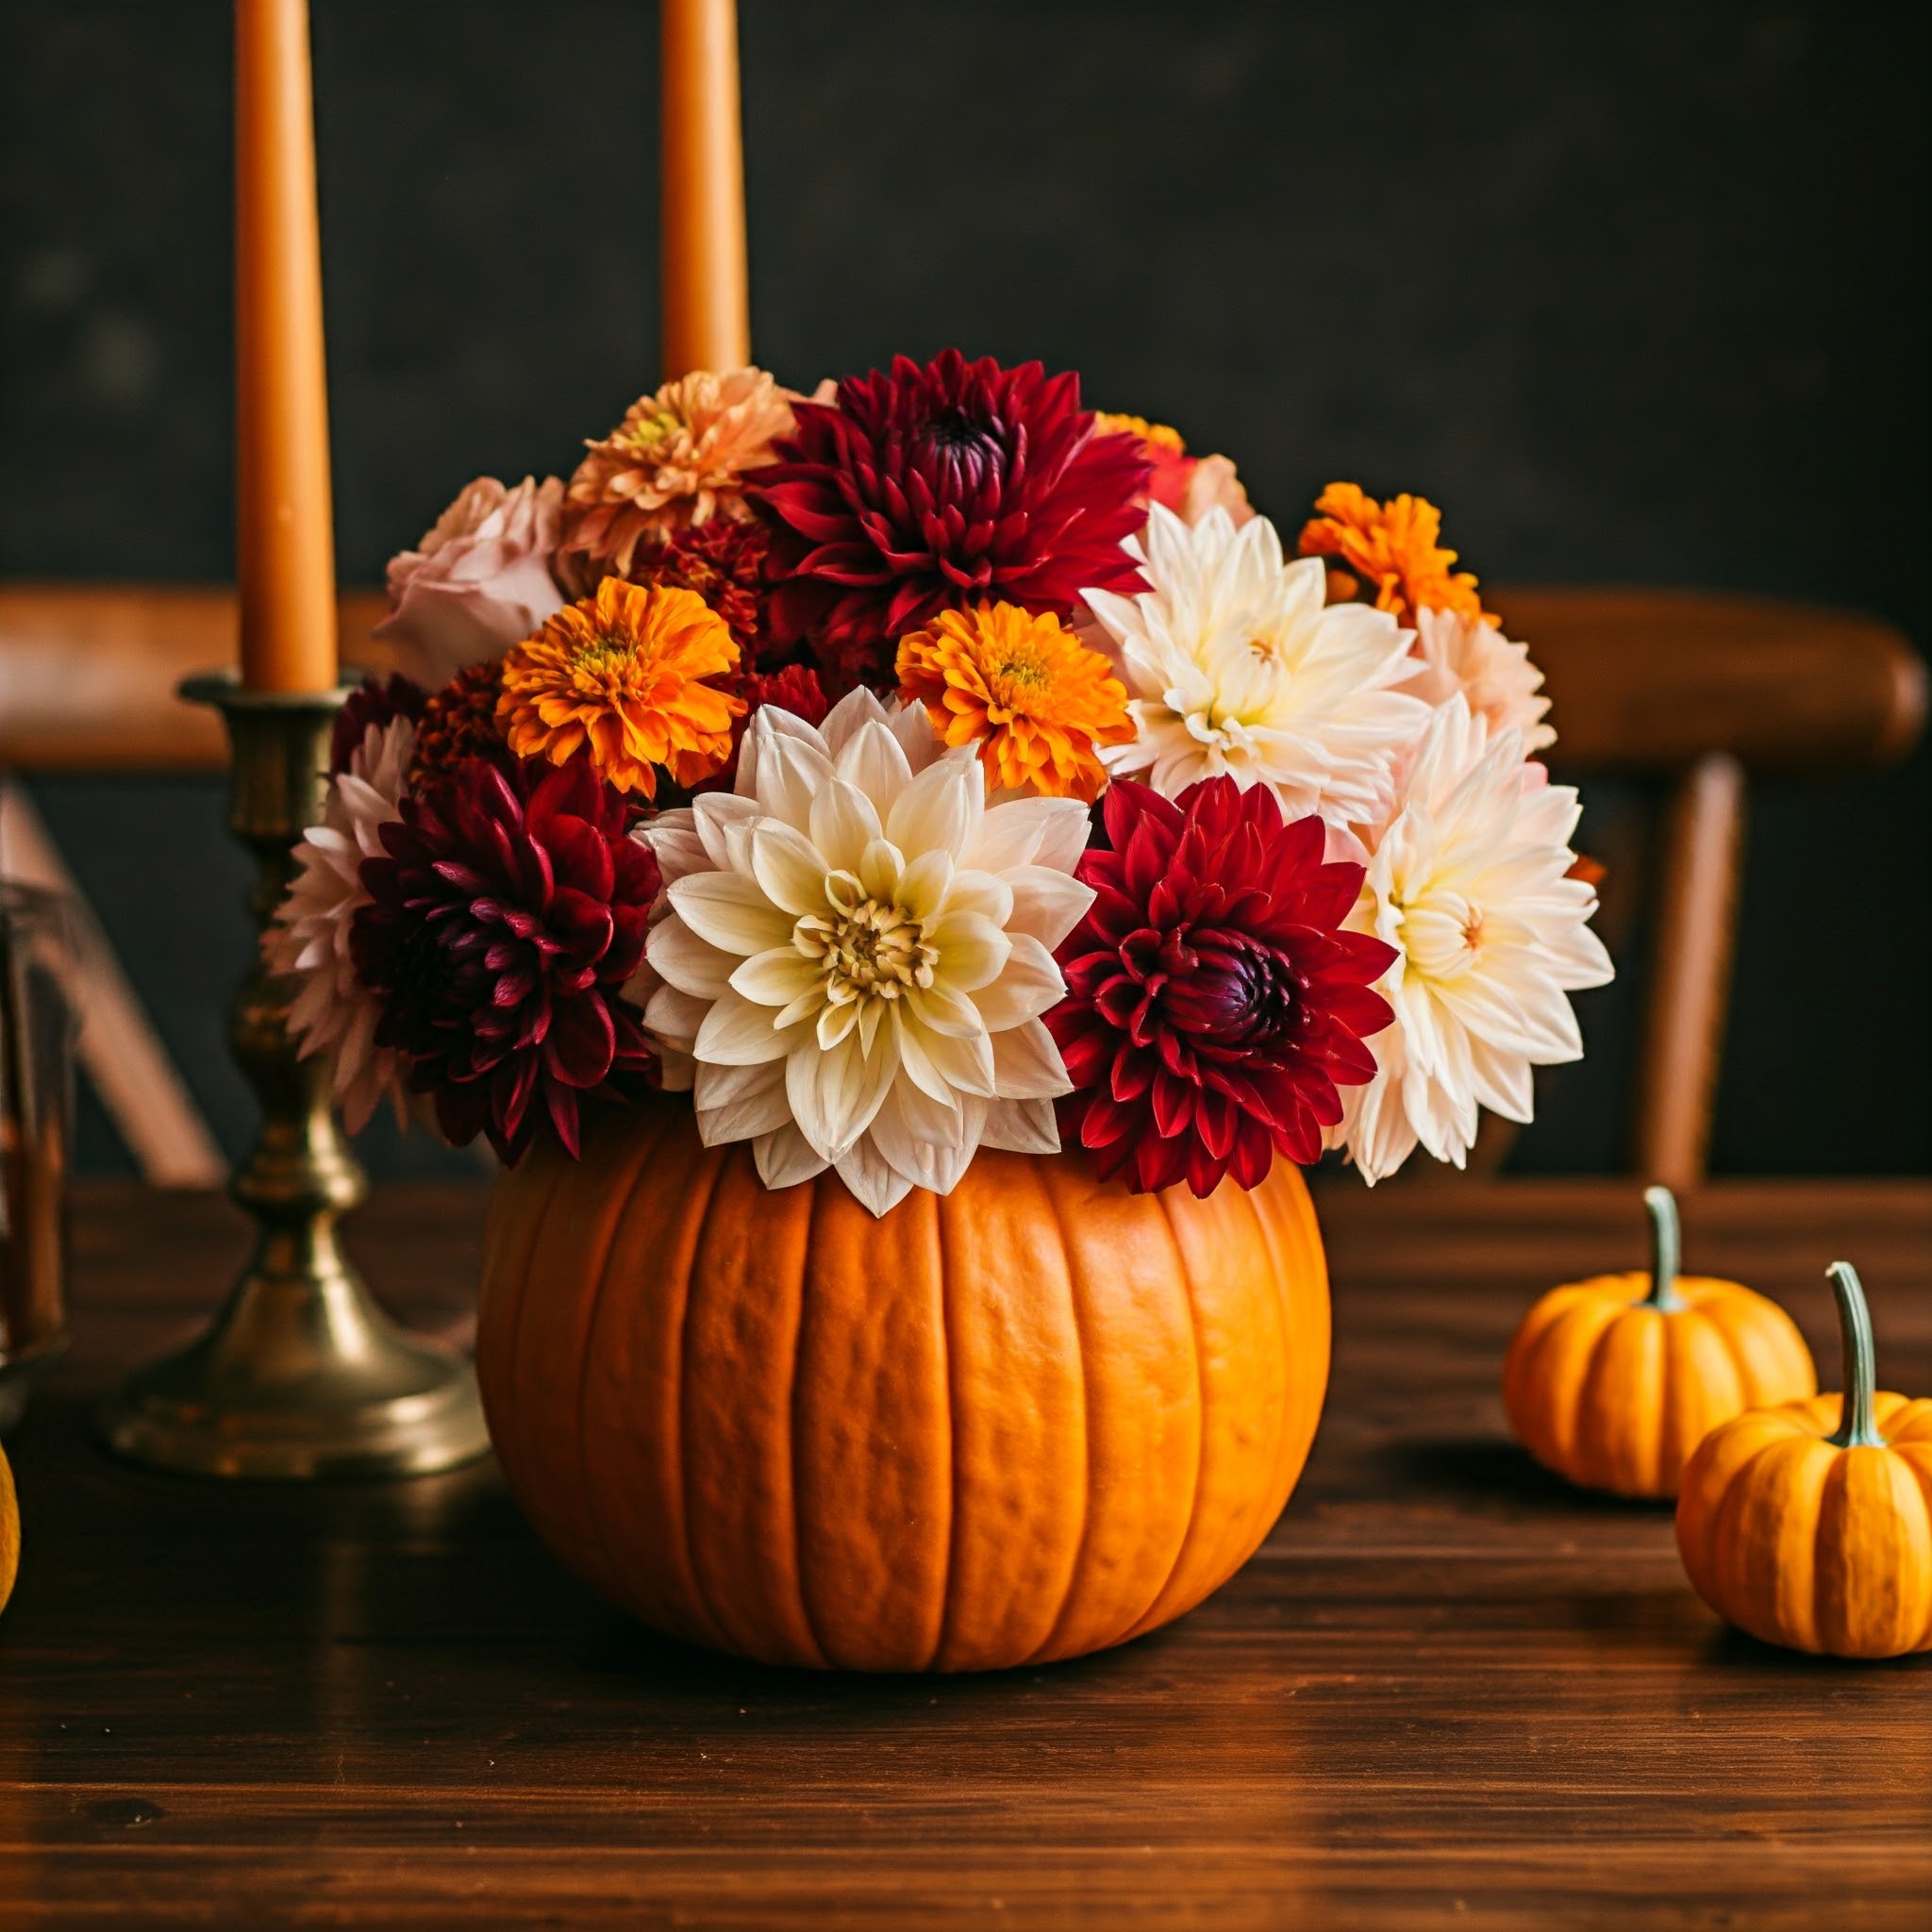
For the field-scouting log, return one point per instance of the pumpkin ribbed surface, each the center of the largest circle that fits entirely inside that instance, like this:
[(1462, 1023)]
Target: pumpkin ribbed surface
[(1034, 1418), (1615, 1394), (1810, 1545)]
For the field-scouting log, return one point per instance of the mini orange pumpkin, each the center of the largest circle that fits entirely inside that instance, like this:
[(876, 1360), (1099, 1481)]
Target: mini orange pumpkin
[(1034, 1418), (1810, 1525), (10, 1532), (1613, 1382)]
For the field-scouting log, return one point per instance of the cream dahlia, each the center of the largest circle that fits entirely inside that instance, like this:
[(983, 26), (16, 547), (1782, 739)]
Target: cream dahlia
[(1235, 666), (856, 951), (1455, 652), (1468, 881), (308, 943)]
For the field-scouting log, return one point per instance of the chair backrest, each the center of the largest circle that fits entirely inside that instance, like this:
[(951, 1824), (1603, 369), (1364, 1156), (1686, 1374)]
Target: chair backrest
[(1703, 691), (88, 673)]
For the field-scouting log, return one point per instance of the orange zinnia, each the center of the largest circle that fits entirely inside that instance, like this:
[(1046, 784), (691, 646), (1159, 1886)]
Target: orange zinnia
[(1036, 701), (1390, 548), (620, 673)]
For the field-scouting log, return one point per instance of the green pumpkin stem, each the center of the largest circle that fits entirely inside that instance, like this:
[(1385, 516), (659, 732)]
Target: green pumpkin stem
[(1858, 1426), (1666, 1250)]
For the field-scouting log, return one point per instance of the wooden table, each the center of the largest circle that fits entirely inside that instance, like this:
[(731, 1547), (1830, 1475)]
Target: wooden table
[(1448, 1691)]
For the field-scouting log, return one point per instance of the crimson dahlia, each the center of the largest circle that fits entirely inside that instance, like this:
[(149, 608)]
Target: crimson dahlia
[(927, 489), (1214, 1002), (507, 912)]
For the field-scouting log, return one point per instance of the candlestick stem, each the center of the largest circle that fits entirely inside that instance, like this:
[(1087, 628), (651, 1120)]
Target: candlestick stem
[(300, 1374)]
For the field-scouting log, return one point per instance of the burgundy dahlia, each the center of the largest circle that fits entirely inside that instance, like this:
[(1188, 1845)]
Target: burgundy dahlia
[(375, 701), (927, 489), (507, 913), (1213, 1000)]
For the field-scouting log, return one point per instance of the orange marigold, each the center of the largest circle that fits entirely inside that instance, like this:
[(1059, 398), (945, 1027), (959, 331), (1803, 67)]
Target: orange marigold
[(1389, 549), (457, 722), (1157, 435), (1037, 701), (619, 674)]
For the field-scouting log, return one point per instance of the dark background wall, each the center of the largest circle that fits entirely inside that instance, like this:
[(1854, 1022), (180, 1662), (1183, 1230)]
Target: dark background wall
[(1637, 292)]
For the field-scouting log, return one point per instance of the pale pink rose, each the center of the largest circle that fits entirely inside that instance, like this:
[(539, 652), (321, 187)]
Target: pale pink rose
[(479, 581), (1455, 653)]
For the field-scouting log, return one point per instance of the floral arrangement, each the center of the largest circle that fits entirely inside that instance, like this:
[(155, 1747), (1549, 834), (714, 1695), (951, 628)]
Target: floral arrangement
[(933, 763)]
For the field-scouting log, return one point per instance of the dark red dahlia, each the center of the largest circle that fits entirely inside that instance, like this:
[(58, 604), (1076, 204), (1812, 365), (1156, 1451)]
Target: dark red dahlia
[(456, 723), (508, 912), (927, 490), (723, 561), (1214, 1002), (795, 689), (375, 701)]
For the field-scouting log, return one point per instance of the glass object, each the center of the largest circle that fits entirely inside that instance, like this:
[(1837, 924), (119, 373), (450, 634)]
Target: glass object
[(37, 1033)]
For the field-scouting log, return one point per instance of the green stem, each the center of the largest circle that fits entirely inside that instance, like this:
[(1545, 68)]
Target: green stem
[(1666, 1249), (1858, 1426)]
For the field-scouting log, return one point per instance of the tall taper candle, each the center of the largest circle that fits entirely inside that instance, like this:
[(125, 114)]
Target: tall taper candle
[(705, 308), (285, 543)]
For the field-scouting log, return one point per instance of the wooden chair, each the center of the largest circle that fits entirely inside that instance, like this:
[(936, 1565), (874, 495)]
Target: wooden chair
[(1698, 690), (87, 685), (1703, 691)]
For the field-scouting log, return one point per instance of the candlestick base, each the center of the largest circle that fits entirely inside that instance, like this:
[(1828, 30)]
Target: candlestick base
[(300, 1375)]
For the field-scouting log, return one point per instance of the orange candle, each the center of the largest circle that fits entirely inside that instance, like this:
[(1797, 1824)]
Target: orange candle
[(705, 308), (285, 545)]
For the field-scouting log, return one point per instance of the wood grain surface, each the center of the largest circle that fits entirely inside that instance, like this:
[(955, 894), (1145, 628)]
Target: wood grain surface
[(1448, 1692)]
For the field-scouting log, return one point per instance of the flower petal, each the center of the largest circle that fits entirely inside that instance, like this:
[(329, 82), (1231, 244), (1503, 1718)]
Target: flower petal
[(730, 912), (738, 1033)]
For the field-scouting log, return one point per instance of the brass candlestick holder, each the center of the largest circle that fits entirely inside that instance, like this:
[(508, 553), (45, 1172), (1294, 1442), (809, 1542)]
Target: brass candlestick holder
[(300, 1374)]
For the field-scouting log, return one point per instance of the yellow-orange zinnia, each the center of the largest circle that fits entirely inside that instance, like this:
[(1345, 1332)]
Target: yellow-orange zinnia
[(1391, 548), (620, 673), (1035, 700)]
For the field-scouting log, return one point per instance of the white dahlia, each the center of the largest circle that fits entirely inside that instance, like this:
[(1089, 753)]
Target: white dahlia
[(308, 942), (1235, 666), (855, 950), (1455, 652), (1468, 881)]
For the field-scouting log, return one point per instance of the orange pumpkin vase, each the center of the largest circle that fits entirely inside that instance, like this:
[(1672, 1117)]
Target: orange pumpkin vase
[(1032, 1419), (1613, 1382)]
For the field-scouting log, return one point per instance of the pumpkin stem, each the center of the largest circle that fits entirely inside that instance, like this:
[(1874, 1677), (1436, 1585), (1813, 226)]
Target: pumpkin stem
[(1666, 1250), (1858, 1426)]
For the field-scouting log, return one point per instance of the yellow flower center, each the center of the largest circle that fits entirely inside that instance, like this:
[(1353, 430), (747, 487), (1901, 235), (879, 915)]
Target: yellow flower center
[(1018, 668), (605, 651), (868, 948), (652, 429)]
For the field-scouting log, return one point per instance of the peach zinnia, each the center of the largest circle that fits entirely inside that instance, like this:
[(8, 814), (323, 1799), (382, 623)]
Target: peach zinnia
[(1036, 701), (1388, 552), (620, 676), (675, 461)]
